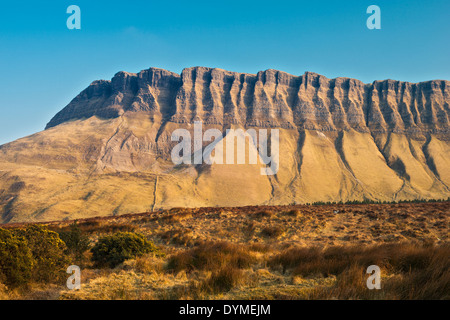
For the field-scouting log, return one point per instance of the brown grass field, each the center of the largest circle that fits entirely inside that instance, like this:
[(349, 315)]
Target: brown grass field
[(270, 252)]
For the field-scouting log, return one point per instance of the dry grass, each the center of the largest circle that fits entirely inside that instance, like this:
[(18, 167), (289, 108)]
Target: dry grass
[(293, 252), (293, 213), (225, 279), (149, 263), (430, 279), (179, 237), (116, 286), (177, 214), (414, 271), (99, 227), (229, 271), (264, 214), (272, 231), (3, 292), (400, 257), (212, 256)]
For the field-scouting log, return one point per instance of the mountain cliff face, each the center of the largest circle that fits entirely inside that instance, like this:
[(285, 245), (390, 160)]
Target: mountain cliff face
[(108, 151), (269, 99)]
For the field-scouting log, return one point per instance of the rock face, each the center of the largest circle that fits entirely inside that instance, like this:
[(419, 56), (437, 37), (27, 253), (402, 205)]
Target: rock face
[(108, 151), (268, 99)]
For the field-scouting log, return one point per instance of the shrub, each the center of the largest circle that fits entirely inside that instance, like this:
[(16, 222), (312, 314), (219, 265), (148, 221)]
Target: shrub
[(77, 243), (16, 260), (114, 249), (47, 250)]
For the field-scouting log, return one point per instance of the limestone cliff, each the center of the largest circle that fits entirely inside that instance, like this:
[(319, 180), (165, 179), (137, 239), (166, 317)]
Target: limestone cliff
[(268, 99)]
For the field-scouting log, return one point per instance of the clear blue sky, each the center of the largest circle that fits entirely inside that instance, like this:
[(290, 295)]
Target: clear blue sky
[(43, 65)]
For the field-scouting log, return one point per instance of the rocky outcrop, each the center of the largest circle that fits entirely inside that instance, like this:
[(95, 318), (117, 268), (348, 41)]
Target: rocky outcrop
[(270, 98)]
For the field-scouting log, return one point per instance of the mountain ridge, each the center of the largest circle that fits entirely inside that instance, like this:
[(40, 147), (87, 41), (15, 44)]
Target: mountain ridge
[(108, 152), (270, 98)]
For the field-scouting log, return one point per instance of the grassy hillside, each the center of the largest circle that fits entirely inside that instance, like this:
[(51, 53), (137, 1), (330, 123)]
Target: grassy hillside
[(95, 167), (269, 252)]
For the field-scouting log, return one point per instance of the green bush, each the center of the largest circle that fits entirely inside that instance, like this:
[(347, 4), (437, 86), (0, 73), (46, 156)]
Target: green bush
[(16, 260), (47, 250), (77, 243), (114, 249)]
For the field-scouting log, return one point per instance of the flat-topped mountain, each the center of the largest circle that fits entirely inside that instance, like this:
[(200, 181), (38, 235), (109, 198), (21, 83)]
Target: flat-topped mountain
[(108, 151), (270, 98)]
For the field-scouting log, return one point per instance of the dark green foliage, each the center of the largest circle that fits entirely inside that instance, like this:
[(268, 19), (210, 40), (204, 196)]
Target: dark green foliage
[(367, 201), (16, 260), (114, 249), (77, 243), (47, 250)]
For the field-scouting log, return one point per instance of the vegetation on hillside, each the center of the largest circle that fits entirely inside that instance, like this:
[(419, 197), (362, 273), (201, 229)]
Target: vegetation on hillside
[(114, 249), (292, 252)]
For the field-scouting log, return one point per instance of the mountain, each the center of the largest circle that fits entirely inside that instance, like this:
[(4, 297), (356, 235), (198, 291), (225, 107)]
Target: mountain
[(108, 152)]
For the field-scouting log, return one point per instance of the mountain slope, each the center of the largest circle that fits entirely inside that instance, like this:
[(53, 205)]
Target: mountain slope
[(108, 151)]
